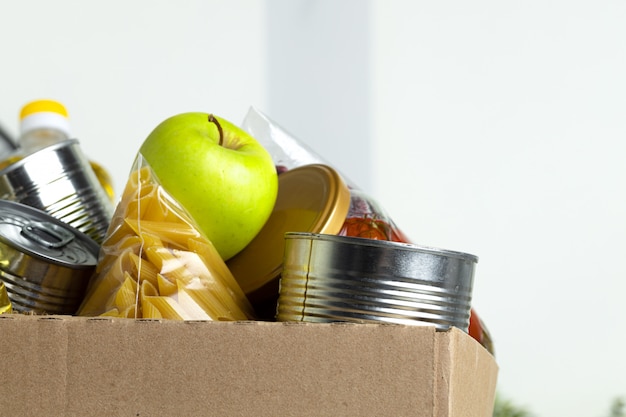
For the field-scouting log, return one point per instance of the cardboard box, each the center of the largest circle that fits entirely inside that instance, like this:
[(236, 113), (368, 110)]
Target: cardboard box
[(76, 366)]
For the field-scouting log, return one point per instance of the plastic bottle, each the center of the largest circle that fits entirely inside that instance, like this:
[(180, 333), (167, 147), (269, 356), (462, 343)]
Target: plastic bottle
[(5, 303), (46, 122), (7, 144)]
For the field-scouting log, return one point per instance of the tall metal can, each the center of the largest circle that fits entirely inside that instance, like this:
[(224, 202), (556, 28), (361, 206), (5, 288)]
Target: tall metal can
[(58, 180)]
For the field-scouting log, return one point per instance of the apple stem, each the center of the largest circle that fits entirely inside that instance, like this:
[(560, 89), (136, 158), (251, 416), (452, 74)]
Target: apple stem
[(212, 119)]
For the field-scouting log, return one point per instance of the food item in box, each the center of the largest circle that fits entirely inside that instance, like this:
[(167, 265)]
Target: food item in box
[(45, 263), (311, 198), (479, 331), (5, 303), (329, 278), (223, 177), (46, 122), (58, 180), (366, 217), (155, 263)]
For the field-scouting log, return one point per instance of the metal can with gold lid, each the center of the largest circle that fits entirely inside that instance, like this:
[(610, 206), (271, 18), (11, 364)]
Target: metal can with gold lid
[(311, 198), (44, 263)]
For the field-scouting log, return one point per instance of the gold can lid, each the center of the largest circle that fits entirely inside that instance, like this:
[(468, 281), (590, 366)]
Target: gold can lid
[(311, 198)]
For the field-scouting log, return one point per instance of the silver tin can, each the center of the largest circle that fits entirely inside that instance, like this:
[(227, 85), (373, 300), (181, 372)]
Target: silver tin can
[(329, 278), (59, 181), (44, 263)]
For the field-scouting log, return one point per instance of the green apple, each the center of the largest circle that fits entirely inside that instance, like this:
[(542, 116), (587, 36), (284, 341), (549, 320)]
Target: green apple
[(222, 176)]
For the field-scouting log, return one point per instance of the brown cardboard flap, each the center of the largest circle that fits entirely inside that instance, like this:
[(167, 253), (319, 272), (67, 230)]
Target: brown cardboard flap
[(467, 373), (76, 366)]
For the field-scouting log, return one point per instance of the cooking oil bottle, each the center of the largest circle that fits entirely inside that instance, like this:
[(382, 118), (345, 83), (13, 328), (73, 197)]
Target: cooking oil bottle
[(44, 123), (5, 303), (7, 144)]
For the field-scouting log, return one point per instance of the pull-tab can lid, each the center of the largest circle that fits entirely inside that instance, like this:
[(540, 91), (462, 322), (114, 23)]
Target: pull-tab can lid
[(41, 236)]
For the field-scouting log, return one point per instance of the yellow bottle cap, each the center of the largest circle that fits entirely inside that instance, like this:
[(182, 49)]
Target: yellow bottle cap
[(311, 198), (40, 106), (46, 114)]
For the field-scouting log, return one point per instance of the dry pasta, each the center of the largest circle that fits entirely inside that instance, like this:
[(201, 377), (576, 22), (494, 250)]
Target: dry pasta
[(155, 264)]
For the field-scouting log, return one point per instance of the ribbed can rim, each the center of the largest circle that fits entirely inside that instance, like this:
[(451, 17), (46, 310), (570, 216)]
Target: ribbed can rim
[(382, 244)]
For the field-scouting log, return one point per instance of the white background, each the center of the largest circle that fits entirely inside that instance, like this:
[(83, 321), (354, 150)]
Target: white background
[(492, 128)]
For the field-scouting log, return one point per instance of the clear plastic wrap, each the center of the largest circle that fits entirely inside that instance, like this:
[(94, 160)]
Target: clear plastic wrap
[(154, 263), (366, 217)]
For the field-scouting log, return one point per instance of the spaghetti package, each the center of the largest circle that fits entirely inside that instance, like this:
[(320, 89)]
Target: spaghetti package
[(154, 263)]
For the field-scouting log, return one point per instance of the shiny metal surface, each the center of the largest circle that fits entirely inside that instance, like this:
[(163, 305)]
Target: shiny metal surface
[(59, 180), (44, 263), (332, 278)]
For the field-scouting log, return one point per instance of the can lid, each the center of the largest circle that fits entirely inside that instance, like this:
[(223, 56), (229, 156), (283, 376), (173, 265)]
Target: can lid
[(311, 198), (35, 233)]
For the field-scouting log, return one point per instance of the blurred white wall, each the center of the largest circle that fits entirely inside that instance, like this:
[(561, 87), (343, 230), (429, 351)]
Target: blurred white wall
[(319, 79), (122, 67), (486, 127), (500, 131)]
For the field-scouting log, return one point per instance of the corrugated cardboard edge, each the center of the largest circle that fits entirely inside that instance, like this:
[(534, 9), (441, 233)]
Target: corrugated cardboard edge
[(74, 366), (459, 359)]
